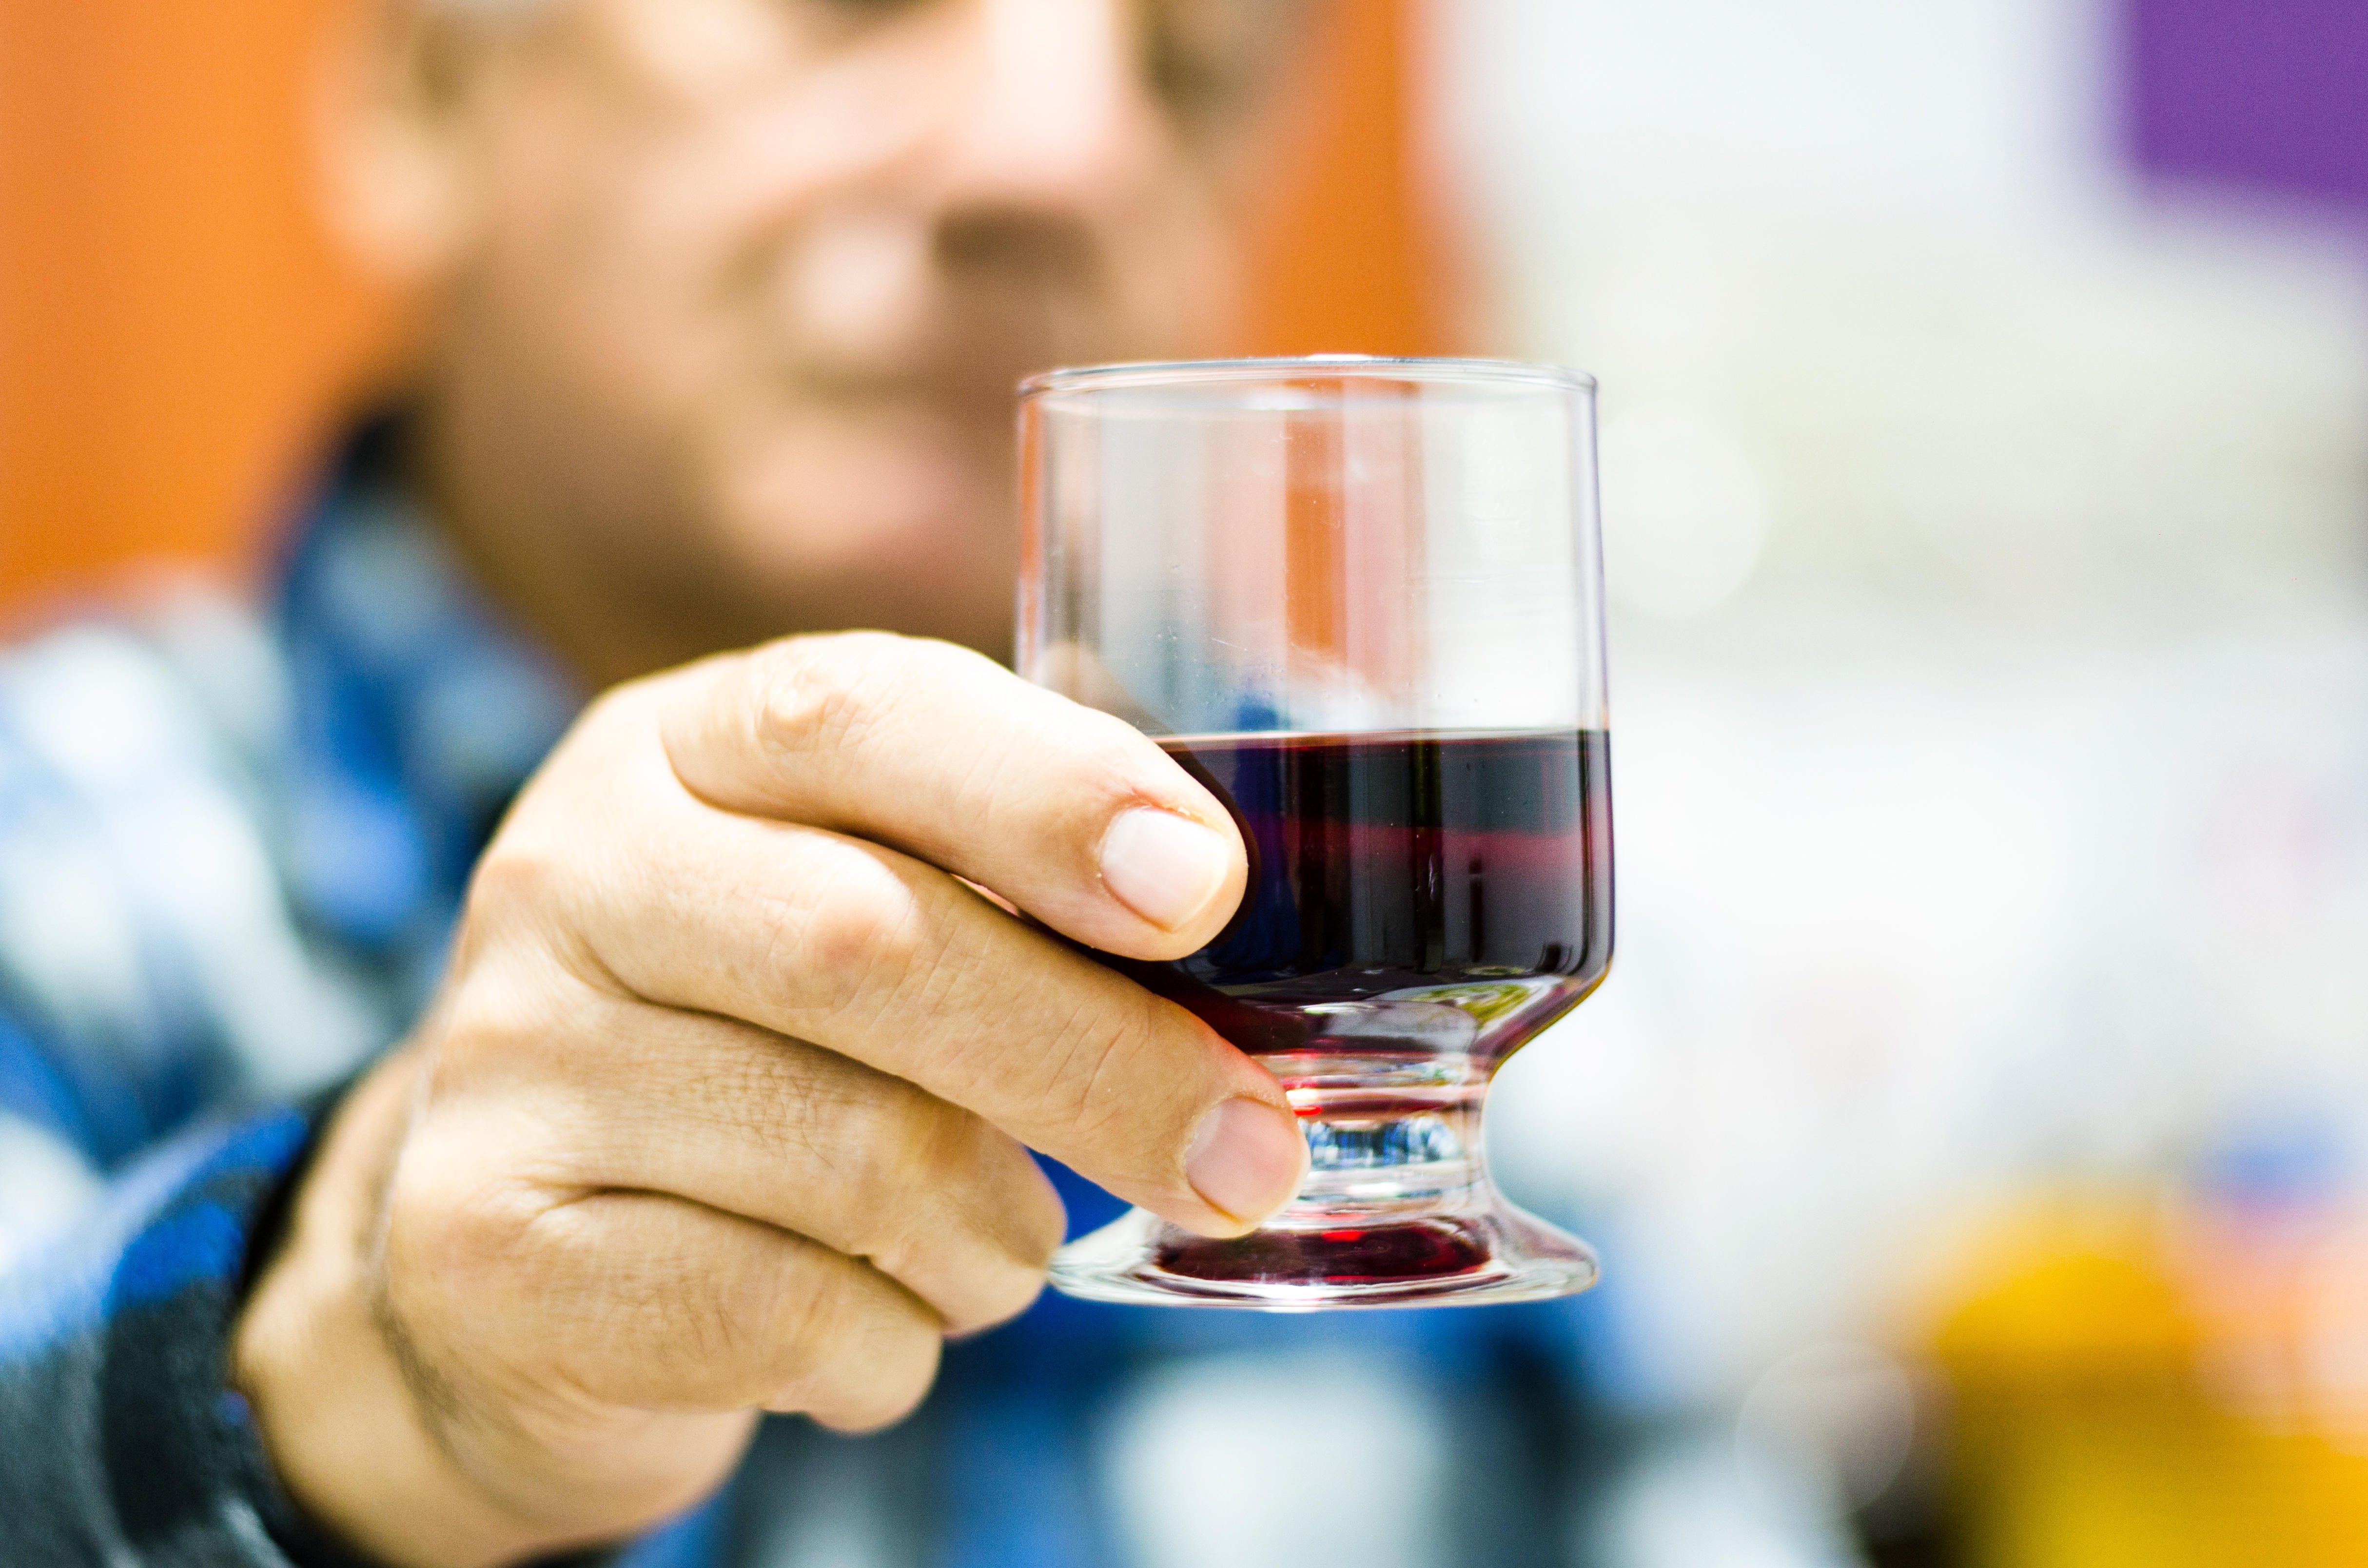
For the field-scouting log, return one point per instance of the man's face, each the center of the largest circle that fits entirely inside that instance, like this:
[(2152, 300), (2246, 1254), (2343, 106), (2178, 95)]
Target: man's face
[(748, 283)]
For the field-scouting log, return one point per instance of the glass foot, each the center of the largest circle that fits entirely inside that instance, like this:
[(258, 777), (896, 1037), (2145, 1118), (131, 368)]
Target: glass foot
[(1488, 1253), (1398, 1208)]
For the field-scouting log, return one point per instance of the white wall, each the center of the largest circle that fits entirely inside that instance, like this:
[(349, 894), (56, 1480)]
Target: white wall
[(1990, 684)]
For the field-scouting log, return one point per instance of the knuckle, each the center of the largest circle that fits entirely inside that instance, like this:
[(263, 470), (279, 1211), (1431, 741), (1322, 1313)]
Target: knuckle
[(520, 873), (449, 1231), (862, 931), (815, 695), (529, 896), (945, 1203), (936, 1142), (909, 1148), (635, 1298), (514, 991), (610, 1313), (514, 1015), (812, 1321)]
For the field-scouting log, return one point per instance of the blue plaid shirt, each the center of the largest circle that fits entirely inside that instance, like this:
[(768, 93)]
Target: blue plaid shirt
[(231, 855)]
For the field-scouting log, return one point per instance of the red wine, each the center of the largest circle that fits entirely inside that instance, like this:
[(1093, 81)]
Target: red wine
[(1411, 895), (1419, 905)]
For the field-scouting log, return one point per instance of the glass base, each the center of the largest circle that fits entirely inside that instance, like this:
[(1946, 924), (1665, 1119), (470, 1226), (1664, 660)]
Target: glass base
[(1398, 1208), (1397, 1211), (1496, 1254)]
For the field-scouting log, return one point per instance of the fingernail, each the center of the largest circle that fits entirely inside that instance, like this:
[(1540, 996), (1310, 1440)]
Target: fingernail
[(1246, 1159), (1164, 867)]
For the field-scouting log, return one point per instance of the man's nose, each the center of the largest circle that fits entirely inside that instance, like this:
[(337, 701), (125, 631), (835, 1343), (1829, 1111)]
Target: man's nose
[(1059, 116)]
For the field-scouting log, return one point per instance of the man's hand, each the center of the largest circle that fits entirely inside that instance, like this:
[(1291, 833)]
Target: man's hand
[(721, 1109)]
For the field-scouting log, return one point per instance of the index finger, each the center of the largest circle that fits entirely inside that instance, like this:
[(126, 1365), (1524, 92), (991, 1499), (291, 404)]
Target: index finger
[(1072, 815)]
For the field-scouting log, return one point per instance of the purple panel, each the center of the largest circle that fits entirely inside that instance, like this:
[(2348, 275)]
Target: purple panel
[(2263, 95)]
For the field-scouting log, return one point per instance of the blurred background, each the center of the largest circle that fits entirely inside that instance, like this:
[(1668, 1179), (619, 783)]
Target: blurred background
[(1977, 1124)]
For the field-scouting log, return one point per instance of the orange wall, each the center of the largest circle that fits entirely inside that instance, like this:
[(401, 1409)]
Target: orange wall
[(1354, 259), (175, 332), (171, 325)]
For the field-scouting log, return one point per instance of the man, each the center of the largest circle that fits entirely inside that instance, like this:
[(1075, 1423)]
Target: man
[(714, 1096)]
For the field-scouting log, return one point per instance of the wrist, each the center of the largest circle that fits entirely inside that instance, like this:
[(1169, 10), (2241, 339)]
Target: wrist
[(339, 1417)]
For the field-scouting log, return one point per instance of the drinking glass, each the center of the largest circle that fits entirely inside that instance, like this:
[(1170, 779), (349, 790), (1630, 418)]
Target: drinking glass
[(1359, 599)]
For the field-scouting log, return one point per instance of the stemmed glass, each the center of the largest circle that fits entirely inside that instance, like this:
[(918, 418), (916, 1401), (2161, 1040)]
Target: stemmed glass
[(1361, 600)]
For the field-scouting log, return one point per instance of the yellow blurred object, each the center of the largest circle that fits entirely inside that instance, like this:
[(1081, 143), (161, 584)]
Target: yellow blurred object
[(2146, 1384)]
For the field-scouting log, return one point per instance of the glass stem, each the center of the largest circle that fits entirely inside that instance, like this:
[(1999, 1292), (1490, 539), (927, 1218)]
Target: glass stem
[(1385, 1163)]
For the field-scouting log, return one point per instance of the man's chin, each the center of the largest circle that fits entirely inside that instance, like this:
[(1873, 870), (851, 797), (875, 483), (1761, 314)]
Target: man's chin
[(934, 561)]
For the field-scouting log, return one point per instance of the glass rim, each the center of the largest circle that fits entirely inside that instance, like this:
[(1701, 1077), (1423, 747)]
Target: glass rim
[(1359, 366)]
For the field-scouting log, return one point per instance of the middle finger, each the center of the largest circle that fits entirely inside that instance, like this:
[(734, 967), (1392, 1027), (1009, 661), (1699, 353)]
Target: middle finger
[(635, 1096)]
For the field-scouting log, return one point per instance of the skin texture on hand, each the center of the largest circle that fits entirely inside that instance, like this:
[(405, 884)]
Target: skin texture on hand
[(722, 1108)]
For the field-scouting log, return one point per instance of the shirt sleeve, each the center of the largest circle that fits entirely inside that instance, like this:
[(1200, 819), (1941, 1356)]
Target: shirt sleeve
[(153, 973), (123, 1441)]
